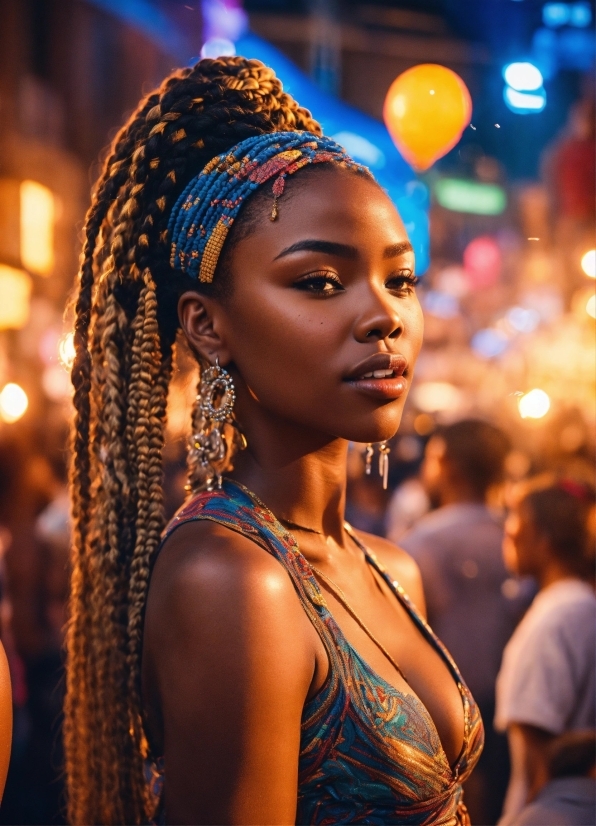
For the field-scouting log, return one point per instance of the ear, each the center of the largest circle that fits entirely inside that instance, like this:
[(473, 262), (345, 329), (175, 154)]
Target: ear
[(201, 321)]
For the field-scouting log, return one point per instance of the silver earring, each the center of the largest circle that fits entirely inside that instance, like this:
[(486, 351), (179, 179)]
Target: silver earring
[(384, 451), (209, 450), (368, 457)]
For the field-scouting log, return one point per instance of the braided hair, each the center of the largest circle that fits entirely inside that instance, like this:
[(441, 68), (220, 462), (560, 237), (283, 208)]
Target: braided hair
[(125, 330)]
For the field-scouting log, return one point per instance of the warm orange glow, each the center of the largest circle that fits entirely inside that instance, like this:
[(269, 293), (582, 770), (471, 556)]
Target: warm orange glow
[(534, 405), (15, 291), (589, 263), (66, 350), (13, 403), (426, 110), (37, 228)]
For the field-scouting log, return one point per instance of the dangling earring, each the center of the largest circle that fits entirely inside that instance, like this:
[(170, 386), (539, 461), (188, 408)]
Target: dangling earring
[(368, 457), (209, 451), (384, 451)]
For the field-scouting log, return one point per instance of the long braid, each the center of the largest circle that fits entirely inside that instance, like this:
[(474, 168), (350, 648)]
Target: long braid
[(79, 692), (125, 328)]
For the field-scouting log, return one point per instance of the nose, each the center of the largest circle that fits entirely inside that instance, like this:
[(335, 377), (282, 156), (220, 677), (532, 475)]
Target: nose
[(378, 321)]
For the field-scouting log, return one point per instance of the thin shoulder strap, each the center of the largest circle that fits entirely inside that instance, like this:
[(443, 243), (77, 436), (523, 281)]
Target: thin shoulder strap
[(407, 603), (235, 507)]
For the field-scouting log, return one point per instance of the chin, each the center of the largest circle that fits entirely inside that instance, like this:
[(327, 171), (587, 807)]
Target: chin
[(380, 427)]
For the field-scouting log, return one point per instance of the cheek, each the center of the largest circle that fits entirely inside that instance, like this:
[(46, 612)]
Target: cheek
[(275, 337), (414, 324)]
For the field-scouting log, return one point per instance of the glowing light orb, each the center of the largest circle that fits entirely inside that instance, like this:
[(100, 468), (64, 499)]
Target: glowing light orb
[(524, 103), (482, 262), (15, 292), (13, 403), (37, 227), (66, 350), (589, 263), (534, 405), (217, 47), (591, 306), (523, 77)]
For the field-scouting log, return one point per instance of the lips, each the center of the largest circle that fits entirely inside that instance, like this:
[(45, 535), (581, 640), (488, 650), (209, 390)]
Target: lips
[(379, 366), (381, 376)]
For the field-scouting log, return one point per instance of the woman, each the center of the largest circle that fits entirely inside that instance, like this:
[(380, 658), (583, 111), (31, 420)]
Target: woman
[(261, 665), (547, 682)]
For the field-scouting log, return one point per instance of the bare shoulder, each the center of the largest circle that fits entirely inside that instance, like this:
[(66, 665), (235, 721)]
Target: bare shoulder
[(400, 566), (228, 659), (206, 568)]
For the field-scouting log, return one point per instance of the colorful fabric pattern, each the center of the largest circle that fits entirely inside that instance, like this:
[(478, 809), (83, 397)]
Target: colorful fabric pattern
[(207, 208), (368, 753)]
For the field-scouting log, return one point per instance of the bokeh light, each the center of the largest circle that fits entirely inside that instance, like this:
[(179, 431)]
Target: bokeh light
[(523, 319), (591, 306), (15, 292), (482, 262), (56, 383), (523, 77), (66, 350), (534, 405), (13, 403), (524, 103), (437, 396), (589, 263), (37, 227)]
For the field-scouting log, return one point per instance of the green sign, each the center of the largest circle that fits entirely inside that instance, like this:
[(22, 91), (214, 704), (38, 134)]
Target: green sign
[(470, 196)]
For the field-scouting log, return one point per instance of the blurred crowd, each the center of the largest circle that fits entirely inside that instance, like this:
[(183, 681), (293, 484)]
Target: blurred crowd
[(491, 475)]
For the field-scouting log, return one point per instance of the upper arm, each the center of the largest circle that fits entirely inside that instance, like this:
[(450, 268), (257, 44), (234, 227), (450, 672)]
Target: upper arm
[(528, 746), (400, 567), (5, 718), (231, 690)]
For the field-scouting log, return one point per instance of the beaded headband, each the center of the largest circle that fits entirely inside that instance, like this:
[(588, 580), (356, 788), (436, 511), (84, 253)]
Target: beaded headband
[(206, 209)]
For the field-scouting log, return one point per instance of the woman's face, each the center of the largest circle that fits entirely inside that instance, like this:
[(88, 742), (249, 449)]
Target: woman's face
[(522, 544), (323, 327)]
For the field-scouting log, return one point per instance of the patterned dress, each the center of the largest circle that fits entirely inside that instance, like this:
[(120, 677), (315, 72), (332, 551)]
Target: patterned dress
[(368, 753)]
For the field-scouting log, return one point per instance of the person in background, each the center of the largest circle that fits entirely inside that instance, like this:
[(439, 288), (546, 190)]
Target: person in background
[(569, 796), (547, 682), (471, 602)]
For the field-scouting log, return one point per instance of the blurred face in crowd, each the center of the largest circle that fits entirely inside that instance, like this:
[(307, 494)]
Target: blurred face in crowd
[(524, 547), (434, 470)]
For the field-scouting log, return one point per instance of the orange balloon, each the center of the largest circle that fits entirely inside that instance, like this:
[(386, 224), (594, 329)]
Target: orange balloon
[(426, 110)]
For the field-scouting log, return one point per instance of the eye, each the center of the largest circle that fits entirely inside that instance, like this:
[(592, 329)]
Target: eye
[(403, 282), (322, 282)]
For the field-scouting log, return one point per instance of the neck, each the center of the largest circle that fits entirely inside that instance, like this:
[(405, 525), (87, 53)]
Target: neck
[(299, 475), (460, 494), (553, 572)]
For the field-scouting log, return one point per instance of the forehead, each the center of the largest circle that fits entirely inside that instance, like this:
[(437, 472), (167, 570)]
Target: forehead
[(327, 203)]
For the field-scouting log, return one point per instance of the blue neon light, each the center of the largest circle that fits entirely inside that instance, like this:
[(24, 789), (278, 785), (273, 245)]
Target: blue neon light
[(524, 103), (555, 15), (523, 77)]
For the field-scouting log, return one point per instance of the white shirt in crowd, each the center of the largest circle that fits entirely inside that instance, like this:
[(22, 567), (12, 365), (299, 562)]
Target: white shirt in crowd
[(548, 674)]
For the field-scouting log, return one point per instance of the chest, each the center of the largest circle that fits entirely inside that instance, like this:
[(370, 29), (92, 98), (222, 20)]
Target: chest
[(423, 673)]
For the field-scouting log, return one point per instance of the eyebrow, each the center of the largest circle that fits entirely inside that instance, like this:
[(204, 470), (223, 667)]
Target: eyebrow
[(395, 250), (341, 250)]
